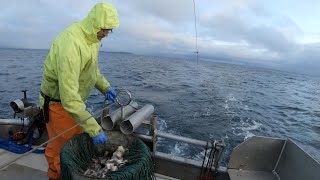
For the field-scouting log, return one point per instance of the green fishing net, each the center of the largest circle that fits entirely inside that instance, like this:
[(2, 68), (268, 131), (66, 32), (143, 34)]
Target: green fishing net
[(77, 154)]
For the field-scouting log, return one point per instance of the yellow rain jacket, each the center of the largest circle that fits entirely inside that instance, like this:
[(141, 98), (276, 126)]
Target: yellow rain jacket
[(71, 67)]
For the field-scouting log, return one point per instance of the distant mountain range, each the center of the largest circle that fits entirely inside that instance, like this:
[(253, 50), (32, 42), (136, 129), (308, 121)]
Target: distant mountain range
[(120, 52)]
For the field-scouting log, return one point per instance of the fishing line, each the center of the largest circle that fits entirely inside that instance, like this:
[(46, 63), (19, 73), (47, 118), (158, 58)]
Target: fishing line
[(195, 28), (199, 74), (204, 170)]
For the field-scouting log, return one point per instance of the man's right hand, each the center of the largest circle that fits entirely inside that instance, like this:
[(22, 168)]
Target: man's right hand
[(100, 139)]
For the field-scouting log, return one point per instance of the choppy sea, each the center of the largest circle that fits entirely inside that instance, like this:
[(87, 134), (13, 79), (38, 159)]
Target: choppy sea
[(204, 100)]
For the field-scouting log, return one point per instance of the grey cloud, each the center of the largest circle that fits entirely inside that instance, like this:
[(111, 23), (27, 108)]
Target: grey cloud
[(306, 60), (307, 54), (270, 38), (223, 27), (35, 26), (171, 11), (232, 28)]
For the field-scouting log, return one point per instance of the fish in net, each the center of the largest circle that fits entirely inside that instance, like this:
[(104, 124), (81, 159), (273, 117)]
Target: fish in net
[(78, 153)]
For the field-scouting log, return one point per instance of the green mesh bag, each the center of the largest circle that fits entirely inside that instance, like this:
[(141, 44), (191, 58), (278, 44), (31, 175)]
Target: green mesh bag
[(76, 156)]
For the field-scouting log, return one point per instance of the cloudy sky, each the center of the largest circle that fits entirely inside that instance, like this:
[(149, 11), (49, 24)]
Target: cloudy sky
[(280, 34)]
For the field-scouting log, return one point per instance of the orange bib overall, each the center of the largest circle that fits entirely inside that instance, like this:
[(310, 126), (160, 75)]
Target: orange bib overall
[(59, 121)]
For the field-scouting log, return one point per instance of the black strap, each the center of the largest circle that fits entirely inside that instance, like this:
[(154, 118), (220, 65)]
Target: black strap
[(51, 99), (47, 100)]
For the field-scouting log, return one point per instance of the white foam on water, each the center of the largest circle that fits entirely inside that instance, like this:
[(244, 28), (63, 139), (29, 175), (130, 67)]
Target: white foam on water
[(248, 135), (246, 108), (233, 108), (249, 125), (230, 97), (176, 150), (179, 149), (200, 155), (232, 104), (162, 124), (245, 128)]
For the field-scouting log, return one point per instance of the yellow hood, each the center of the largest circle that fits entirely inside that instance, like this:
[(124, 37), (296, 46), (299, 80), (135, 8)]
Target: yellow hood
[(101, 16)]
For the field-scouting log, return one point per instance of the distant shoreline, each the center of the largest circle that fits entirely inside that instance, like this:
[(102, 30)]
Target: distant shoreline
[(115, 52), (201, 58)]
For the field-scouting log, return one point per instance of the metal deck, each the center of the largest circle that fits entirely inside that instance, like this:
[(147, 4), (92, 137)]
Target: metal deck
[(34, 167)]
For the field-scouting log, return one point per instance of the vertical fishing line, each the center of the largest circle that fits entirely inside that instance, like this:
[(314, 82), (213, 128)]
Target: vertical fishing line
[(195, 27)]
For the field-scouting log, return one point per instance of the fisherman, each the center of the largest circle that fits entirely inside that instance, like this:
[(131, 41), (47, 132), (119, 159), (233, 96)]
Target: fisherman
[(70, 73)]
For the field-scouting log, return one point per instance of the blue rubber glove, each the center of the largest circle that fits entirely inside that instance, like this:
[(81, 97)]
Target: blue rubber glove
[(100, 139), (111, 95)]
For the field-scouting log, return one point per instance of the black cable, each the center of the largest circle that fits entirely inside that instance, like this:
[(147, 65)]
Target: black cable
[(210, 160), (204, 159)]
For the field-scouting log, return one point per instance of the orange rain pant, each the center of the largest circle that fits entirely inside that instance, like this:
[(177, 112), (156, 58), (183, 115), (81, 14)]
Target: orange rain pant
[(59, 121)]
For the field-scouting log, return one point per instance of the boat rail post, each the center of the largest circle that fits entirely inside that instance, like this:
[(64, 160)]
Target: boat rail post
[(219, 147), (153, 133)]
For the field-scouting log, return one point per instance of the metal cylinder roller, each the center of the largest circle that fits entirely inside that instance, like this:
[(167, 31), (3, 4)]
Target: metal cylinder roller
[(109, 121), (135, 120)]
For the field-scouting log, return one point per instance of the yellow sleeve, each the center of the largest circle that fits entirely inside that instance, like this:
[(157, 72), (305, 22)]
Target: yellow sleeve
[(102, 84), (68, 70)]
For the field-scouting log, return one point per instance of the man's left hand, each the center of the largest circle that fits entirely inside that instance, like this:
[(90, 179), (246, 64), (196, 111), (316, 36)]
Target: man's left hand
[(111, 95)]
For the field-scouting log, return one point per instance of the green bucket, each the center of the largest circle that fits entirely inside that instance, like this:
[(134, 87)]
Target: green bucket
[(77, 154)]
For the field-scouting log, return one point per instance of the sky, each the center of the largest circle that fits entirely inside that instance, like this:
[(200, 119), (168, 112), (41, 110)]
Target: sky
[(274, 34)]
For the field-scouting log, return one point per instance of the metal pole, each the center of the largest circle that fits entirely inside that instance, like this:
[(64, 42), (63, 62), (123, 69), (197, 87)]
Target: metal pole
[(219, 146), (142, 137), (186, 161), (18, 122), (184, 139), (122, 113), (153, 133)]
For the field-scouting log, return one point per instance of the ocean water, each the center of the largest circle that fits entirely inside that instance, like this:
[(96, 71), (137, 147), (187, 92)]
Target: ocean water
[(204, 100)]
